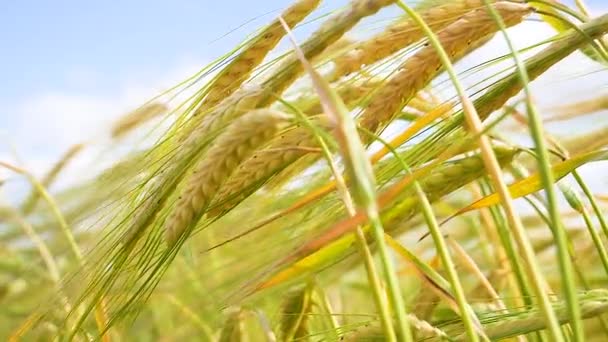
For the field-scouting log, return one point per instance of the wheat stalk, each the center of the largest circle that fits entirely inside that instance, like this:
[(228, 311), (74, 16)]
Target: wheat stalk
[(375, 333), (416, 72), (241, 66), (400, 35), (228, 151)]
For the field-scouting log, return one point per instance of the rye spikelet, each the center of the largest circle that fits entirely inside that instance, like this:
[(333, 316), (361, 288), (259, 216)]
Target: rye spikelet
[(329, 32), (137, 117), (416, 72), (241, 66), (400, 35), (231, 148)]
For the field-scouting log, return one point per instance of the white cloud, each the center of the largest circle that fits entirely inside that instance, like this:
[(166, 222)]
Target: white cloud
[(43, 126)]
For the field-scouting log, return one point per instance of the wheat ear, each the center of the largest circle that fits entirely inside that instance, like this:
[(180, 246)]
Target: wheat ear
[(400, 35), (443, 180), (537, 65), (232, 147), (329, 32), (416, 72), (290, 69), (241, 66), (135, 118), (593, 303), (573, 110), (263, 164), (30, 203), (351, 92), (191, 145)]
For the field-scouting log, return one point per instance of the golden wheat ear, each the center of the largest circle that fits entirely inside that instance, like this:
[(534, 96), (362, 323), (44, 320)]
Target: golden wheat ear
[(241, 67), (285, 149), (400, 35), (227, 152), (419, 70)]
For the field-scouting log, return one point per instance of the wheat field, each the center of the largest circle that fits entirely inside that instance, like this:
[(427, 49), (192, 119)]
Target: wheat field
[(375, 172)]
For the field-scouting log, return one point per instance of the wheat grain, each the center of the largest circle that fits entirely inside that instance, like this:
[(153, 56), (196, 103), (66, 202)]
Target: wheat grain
[(137, 117), (240, 68), (334, 49), (231, 148), (400, 35), (416, 72)]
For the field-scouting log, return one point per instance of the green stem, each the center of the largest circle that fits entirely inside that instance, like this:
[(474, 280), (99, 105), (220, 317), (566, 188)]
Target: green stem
[(368, 259), (596, 208), (548, 181)]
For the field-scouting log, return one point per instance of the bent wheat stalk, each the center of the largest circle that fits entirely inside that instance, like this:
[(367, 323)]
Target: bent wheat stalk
[(231, 148)]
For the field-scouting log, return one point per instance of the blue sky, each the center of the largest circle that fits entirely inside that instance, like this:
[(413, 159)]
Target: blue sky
[(68, 67), (47, 42)]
